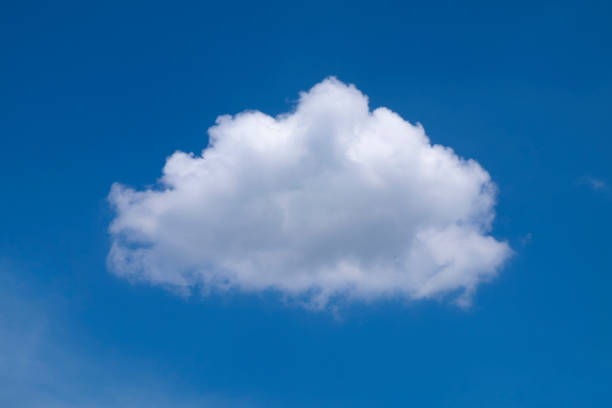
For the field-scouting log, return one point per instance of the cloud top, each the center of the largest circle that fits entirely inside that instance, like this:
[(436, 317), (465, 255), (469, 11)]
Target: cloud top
[(329, 201)]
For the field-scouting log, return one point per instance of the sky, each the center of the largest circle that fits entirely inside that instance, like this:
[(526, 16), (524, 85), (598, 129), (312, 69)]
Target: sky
[(318, 204)]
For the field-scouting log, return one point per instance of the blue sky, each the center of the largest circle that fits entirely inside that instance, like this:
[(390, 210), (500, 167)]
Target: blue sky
[(92, 95)]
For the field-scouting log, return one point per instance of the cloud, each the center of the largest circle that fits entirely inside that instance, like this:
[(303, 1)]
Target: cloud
[(41, 365), (594, 183), (328, 201)]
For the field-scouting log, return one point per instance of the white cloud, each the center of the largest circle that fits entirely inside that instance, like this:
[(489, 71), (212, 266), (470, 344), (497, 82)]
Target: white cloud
[(330, 200)]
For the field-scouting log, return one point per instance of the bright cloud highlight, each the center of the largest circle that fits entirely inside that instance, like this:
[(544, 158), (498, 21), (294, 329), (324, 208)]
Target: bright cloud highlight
[(329, 201)]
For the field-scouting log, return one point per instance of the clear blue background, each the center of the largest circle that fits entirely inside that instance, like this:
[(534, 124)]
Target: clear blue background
[(92, 93)]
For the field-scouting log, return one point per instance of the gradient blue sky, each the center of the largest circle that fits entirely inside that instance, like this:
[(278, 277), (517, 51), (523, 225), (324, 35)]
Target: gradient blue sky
[(93, 94)]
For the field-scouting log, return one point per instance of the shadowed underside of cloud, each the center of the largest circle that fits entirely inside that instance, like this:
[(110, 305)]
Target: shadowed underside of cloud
[(329, 201)]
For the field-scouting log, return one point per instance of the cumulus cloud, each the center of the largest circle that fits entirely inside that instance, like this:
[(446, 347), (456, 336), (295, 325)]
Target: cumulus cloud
[(329, 201)]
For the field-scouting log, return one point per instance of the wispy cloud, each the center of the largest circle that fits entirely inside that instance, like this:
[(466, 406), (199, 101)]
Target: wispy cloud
[(41, 367), (594, 183)]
